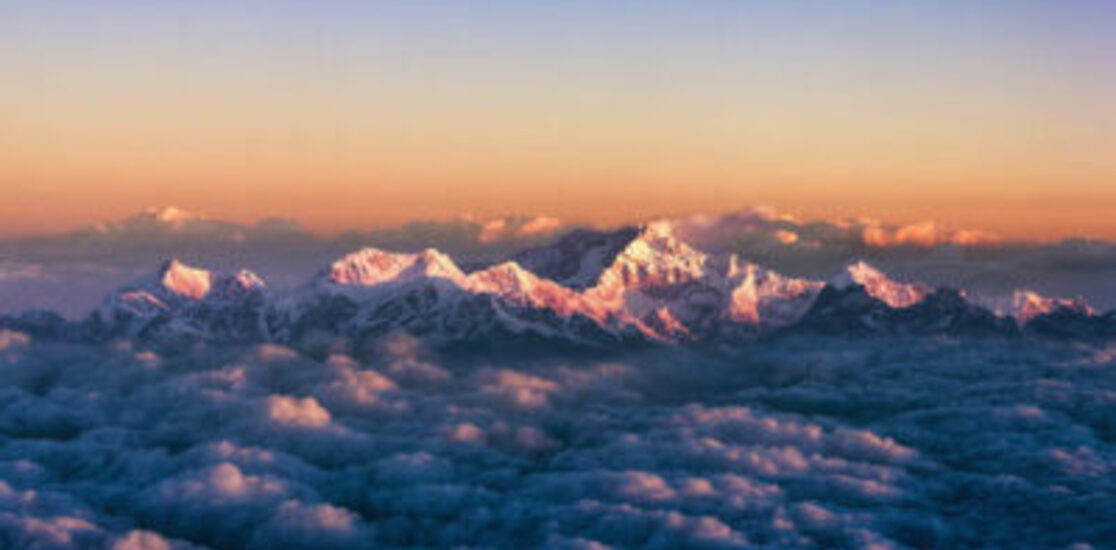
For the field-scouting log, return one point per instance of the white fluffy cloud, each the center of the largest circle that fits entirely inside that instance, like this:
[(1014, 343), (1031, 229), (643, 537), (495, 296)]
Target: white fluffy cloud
[(518, 228), (305, 412)]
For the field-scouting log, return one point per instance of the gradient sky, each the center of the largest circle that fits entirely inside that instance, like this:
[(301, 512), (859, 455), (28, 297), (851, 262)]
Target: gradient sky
[(992, 114)]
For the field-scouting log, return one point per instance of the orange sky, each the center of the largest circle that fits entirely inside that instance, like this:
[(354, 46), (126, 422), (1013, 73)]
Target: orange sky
[(997, 123)]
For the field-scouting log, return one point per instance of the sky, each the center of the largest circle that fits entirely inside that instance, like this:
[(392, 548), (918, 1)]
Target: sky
[(343, 114)]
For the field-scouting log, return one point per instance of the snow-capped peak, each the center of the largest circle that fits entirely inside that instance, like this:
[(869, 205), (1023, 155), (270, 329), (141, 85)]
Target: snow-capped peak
[(761, 296), (372, 266), (658, 274), (880, 286), (243, 282), (507, 277), (185, 281), (513, 283), (172, 215), (654, 258), (1026, 305), (177, 280), (184, 300)]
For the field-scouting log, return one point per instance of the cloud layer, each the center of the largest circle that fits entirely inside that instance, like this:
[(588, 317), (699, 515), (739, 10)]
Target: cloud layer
[(801, 444)]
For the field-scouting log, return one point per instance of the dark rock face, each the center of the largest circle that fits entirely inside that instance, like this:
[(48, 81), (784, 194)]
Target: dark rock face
[(848, 311), (577, 259), (853, 312), (946, 311), (1073, 324)]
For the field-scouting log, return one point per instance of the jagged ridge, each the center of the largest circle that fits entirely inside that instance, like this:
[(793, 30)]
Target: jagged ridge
[(627, 286)]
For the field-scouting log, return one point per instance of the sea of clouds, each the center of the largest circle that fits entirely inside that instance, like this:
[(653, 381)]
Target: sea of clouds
[(793, 444)]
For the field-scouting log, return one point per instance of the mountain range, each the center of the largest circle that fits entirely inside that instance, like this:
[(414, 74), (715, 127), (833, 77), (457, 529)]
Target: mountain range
[(632, 286), (71, 272)]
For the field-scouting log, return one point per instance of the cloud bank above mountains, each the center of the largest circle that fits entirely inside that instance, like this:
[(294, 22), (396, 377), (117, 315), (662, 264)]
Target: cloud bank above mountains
[(71, 272)]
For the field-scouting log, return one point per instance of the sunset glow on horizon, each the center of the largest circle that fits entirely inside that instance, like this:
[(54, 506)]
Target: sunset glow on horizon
[(342, 115)]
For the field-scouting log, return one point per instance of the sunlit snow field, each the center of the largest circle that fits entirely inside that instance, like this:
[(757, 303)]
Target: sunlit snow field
[(804, 443)]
